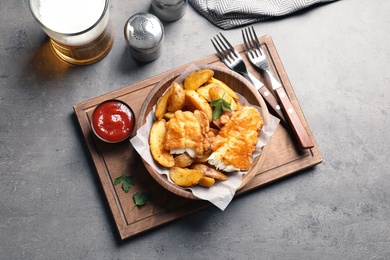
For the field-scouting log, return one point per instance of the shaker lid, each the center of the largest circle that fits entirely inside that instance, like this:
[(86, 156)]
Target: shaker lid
[(144, 31)]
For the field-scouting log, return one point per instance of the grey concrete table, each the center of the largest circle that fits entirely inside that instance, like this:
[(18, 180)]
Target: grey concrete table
[(337, 57)]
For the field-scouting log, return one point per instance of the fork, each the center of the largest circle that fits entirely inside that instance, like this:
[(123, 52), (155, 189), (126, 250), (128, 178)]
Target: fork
[(257, 57), (232, 59), (256, 54)]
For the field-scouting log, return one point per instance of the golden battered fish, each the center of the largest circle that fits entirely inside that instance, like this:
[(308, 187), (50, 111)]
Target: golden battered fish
[(187, 132), (236, 141)]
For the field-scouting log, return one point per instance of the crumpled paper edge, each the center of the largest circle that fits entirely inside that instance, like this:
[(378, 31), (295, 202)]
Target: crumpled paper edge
[(222, 192)]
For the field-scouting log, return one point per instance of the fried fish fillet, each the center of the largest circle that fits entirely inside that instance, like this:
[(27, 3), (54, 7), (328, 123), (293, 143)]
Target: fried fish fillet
[(236, 141), (187, 132)]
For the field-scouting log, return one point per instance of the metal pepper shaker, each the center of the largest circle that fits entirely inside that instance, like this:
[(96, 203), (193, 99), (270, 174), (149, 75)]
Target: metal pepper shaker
[(144, 34), (169, 10)]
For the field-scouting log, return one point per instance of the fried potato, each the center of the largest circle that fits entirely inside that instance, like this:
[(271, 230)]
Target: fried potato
[(198, 102), (214, 130), (204, 91), (183, 160), (162, 105), (185, 177), (218, 92), (233, 104), (206, 182), (156, 142), (239, 105), (204, 157), (168, 115), (211, 135), (197, 78), (178, 97), (224, 86), (210, 171)]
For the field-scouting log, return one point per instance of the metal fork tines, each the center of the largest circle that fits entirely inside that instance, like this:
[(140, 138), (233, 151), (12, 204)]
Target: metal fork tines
[(232, 59), (256, 54)]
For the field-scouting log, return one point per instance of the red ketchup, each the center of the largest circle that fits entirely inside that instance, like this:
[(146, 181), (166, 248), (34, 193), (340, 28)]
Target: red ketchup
[(112, 121)]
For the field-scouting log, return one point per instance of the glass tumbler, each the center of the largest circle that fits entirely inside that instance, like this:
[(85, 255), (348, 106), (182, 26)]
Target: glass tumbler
[(79, 30)]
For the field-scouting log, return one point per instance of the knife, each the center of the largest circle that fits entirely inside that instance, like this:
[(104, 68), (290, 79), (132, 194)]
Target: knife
[(268, 97), (292, 117)]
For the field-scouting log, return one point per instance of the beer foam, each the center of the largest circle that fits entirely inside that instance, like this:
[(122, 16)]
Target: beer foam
[(70, 16)]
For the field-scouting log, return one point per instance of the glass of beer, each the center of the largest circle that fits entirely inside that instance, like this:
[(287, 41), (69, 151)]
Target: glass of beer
[(79, 30)]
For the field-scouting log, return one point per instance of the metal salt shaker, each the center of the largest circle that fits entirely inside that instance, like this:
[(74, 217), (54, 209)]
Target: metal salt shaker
[(169, 10), (144, 34)]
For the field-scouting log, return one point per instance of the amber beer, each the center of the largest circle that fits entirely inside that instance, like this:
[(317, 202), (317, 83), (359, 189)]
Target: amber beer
[(84, 54), (79, 30)]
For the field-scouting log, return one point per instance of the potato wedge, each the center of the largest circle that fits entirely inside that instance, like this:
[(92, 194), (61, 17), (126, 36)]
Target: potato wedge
[(206, 182), (156, 142), (210, 171), (218, 92), (226, 87), (197, 78), (239, 105), (168, 116), (178, 97), (198, 102), (183, 160), (233, 105), (162, 105), (185, 177), (203, 158), (204, 91), (214, 130)]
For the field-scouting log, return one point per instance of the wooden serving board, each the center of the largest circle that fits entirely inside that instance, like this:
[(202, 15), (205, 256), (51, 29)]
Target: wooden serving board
[(286, 158)]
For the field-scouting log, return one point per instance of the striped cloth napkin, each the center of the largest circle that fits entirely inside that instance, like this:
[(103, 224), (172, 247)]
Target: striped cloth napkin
[(228, 14)]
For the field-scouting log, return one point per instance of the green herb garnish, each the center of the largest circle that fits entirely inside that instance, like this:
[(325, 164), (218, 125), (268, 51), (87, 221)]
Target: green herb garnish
[(126, 181), (220, 105), (140, 199)]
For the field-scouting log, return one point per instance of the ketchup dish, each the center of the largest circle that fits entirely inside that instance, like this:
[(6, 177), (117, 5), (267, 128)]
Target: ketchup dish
[(113, 121)]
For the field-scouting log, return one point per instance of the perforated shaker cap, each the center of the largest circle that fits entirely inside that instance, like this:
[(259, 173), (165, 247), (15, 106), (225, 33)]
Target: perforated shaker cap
[(144, 33)]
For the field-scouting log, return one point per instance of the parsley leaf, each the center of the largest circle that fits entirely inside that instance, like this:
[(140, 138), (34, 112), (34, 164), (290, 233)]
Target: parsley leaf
[(126, 181), (140, 199), (220, 106)]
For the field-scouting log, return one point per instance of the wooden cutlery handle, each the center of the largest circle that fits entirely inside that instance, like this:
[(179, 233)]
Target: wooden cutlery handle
[(272, 103), (295, 123)]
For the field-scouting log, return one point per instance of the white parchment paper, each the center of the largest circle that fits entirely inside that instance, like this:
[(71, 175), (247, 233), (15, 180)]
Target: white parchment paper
[(222, 192)]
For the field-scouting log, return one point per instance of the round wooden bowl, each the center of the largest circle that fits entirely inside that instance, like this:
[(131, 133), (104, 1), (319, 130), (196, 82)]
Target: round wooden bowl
[(235, 81)]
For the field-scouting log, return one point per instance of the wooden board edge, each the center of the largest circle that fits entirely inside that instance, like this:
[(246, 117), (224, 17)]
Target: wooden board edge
[(107, 185)]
